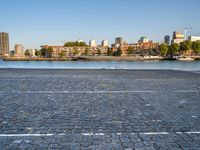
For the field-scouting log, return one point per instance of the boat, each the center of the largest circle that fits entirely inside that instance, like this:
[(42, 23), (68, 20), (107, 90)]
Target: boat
[(185, 58)]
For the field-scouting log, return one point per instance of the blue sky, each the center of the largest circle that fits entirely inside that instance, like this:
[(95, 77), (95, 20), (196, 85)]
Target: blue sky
[(37, 22)]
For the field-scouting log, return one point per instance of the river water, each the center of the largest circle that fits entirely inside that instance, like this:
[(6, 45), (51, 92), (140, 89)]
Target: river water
[(175, 65)]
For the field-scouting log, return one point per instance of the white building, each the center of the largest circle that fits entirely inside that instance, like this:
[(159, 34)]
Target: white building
[(105, 43), (92, 43), (19, 50), (178, 37), (177, 41), (32, 52), (194, 38), (79, 40)]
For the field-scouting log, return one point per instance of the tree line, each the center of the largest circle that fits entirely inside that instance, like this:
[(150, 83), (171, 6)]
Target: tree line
[(176, 49)]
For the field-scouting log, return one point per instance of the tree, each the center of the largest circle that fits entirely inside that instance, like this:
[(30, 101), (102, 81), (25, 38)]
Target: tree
[(99, 52), (196, 47), (86, 51), (27, 53), (75, 51), (163, 49), (109, 52), (118, 52), (130, 50), (37, 53), (75, 44), (185, 46), (62, 54), (47, 52), (173, 49)]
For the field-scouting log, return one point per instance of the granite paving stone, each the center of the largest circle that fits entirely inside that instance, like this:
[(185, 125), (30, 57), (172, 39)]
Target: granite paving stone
[(99, 109)]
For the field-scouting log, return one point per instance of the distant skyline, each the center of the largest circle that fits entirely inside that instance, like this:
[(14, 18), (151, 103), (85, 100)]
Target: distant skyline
[(37, 22)]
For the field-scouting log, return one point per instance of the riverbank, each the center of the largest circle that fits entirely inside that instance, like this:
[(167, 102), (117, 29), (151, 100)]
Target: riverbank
[(114, 58), (97, 58), (36, 59)]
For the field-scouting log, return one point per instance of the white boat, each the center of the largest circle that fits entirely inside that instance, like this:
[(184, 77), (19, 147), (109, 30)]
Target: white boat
[(185, 59)]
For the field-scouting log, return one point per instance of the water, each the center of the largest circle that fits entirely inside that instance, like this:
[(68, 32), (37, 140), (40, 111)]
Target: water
[(175, 65)]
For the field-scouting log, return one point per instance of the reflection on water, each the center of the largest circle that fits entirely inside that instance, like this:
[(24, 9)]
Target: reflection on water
[(176, 65)]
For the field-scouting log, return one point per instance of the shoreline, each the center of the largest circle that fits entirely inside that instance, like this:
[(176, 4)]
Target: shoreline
[(98, 58)]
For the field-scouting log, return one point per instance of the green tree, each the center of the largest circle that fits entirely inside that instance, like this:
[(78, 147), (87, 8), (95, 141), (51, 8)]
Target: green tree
[(196, 47), (37, 53), (185, 46), (62, 54), (173, 49), (86, 51), (48, 53), (130, 50), (99, 52), (75, 51), (75, 44), (163, 49), (118, 52), (109, 52), (27, 53)]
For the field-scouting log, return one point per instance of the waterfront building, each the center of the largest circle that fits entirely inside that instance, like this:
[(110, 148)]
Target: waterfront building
[(19, 50), (194, 38), (105, 43), (56, 50), (68, 51), (124, 48), (167, 39), (4, 44), (178, 37), (93, 43)]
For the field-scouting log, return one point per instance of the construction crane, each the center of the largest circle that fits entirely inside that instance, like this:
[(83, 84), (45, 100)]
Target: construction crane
[(185, 31)]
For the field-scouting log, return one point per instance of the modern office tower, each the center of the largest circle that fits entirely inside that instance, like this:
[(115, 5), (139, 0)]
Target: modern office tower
[(118, 40), (167, 39), (93, 43), (105, 43), (19, 50), (178, 37), (194, 38), (4, 44)]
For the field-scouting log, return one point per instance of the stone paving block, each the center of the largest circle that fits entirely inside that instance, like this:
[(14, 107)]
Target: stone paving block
[(99, 109)]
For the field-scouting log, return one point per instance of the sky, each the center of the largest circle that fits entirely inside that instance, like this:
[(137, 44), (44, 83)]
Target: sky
[(37, 22)]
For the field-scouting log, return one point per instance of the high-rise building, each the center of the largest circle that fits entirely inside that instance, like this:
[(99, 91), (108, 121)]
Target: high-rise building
[(178, 37), (93, 43), (105, 43), (4, 44), (143, 39), (118, 40), (167, 39), (19, 50)]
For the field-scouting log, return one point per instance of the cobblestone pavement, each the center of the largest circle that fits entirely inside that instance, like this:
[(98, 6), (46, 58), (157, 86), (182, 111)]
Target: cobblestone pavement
[(99, 109)]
